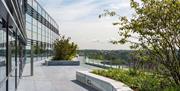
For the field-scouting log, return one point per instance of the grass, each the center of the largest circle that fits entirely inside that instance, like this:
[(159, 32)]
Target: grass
[(139, 81)]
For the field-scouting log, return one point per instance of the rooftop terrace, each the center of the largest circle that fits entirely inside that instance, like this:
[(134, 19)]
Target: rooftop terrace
[(53, 78)]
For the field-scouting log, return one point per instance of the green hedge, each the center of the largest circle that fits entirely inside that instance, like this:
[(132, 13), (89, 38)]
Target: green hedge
[(139, 81)]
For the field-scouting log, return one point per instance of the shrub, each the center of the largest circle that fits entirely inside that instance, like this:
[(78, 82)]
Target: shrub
[(64, 49), (38, 49), (139, 81), (173, 88)]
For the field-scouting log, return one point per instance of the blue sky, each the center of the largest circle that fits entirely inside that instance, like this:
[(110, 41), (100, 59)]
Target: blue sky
[(79, 20)]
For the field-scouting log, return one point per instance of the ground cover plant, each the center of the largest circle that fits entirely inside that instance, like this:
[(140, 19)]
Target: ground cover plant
[(140, 81)]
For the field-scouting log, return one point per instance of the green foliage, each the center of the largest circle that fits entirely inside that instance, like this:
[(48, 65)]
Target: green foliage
[(157, 26), (173, 88), (37, 49), (138, 80), (64, 49), (133, 72)]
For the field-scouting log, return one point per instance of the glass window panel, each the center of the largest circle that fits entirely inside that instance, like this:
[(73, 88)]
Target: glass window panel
[(47, 17), (28, 34), (34, 36), (28, 26), (12, 53), (39, 34), (35, 5), (34, 22), (34, 28), (43, 13), (28, 18), (39, 30), (2, 55), (44, 39), (39, 25), (39, 9), (44, 31), (30, 2)]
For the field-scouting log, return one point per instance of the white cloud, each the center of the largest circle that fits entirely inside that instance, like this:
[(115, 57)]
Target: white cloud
[(79, 20)]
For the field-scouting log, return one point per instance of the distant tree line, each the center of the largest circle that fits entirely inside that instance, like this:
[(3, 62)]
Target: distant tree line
[(113, 56)]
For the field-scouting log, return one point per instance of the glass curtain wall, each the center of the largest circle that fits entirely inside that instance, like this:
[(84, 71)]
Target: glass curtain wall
[(26, 30), (2, 59), (12, 43), (41, 29)]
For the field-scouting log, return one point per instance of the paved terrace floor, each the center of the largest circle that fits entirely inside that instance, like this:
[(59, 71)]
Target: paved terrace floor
[(53, 78)]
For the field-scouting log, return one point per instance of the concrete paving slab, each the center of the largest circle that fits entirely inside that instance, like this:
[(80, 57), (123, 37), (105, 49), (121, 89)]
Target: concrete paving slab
[(53, 78)]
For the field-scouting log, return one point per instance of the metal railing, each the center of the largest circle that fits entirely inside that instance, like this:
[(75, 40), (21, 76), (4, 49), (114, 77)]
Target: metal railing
[(103, 63)]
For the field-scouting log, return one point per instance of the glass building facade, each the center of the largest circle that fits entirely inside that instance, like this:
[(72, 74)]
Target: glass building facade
[(41, 31), (27, 33)]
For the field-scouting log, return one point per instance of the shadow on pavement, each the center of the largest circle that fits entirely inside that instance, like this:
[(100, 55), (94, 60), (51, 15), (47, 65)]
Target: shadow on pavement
[(83, 85)]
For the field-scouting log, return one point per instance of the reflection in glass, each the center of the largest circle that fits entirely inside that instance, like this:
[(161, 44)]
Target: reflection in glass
[(30, 2), (2, 55), (12, 81), (3, 86), (28, 18), (35, 5)]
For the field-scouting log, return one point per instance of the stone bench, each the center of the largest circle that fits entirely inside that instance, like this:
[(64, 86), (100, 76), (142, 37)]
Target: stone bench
[(100, 83)]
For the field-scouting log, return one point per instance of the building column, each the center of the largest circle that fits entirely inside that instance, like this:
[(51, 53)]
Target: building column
[(7, 53), (32, 62), (16, 38)]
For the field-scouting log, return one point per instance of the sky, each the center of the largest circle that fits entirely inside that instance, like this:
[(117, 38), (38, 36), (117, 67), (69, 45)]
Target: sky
[(79, 20)]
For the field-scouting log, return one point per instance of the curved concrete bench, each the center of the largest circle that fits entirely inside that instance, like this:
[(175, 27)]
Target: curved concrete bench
[(100, 83)]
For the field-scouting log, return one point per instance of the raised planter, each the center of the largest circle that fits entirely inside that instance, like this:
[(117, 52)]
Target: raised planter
[(100, 83), (62, 62)]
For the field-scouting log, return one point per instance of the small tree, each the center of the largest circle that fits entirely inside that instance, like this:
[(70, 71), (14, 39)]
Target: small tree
[(157, 24), (64, 49)]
